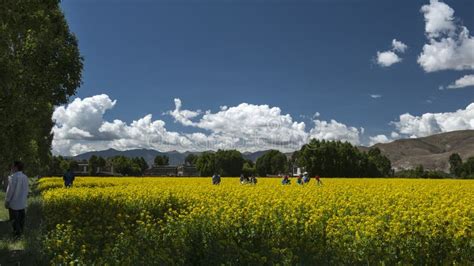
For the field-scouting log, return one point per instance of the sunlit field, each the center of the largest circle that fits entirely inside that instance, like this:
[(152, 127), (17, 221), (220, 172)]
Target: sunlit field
[(190, 221)]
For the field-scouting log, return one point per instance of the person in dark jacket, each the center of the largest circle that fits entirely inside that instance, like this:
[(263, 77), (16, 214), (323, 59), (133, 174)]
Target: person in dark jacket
[(68, 178), (216, 179), (286, 180)]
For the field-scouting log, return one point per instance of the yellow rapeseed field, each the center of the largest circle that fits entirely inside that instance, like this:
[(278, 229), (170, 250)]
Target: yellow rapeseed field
[(144, 221)]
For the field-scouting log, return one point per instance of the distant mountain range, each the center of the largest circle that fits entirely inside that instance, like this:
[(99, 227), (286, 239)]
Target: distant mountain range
[(432, 152)]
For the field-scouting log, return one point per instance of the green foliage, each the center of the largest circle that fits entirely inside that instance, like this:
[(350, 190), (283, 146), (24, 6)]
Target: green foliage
[(224, 162), (420, 172), (142, 164), (191, 159), (161, 160), (129, 166), (459, 169), (455, 165), (95, 163), (335, 158), (272, 163), (249, 168), (383, 166), (59, 165), (205, 163), (40, 67), (229, 162), (468, 168)]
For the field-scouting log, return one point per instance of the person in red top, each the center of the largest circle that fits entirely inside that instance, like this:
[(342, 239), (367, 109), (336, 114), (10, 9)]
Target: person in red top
[(318, 180)]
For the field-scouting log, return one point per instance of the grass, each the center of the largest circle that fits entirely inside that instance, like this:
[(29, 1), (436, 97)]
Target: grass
[(26, 250)]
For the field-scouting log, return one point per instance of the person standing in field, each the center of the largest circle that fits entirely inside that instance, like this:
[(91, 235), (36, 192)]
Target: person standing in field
[(253, 180), (68, 178), (243, 179), (306, 178), (299, 180), (16, 197), (216, 179), (286, 180), (318, 180)]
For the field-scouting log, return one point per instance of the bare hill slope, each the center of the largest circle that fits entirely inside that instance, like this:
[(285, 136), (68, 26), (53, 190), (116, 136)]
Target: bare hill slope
[(432, 152)]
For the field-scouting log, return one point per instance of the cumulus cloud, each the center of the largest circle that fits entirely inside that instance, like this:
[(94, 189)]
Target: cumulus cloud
[(398, 46), (253, 126), (390, 57), (378, 139), (433, 123), (439, 18), (450, 46), (466, 81), (184, 116), (81, 119), (81, 127), (383, 138), (334, 130), (412, 126), (387, 58)]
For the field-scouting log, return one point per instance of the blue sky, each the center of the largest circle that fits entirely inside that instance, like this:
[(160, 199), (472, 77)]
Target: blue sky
[(300, 56)]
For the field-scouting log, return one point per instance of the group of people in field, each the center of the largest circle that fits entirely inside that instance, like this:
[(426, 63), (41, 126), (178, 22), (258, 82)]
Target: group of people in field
[(301, 179), (248, 179)]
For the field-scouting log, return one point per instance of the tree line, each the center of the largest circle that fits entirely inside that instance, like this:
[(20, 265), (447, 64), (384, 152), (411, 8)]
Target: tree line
[(122, 165), (461, 169), (323, 158)]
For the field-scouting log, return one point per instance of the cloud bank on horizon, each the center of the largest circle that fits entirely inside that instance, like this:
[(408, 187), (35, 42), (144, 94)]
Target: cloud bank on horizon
[(81, 127)]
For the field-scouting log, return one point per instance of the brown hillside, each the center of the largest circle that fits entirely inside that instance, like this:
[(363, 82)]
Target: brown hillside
[(432, 152)]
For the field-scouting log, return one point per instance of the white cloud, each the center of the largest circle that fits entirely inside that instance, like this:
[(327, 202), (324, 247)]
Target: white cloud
[(254, 127), (387, 58), (81, 118), (334, 130), (466, 81), (399, 46), (80, 127), (378, 139), (433, 123), (375, 96), (410, 126), (183, 116), (449, 46), (439, 18)]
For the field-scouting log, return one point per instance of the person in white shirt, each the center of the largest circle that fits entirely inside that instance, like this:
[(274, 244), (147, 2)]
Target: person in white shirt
[(16, 197)]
